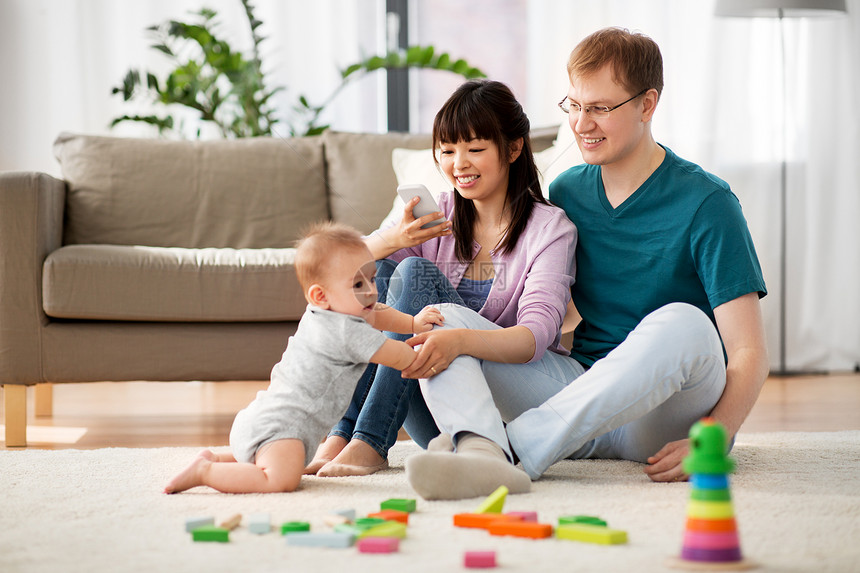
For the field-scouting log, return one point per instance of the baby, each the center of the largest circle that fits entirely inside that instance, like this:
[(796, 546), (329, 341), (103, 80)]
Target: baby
[(276, 435)]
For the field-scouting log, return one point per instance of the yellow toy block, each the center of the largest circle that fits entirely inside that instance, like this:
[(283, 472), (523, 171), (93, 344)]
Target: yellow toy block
[(591, 534), (386, 529), (495, 502)]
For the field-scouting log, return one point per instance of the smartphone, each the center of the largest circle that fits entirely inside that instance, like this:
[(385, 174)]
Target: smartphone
[(425, 206)]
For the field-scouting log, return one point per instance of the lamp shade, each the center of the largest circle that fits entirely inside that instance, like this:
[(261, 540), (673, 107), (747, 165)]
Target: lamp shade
[(772, 8)]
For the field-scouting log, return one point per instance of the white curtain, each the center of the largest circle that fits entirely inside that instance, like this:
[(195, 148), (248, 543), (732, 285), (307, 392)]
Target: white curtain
[(60, 59), (721, 107)]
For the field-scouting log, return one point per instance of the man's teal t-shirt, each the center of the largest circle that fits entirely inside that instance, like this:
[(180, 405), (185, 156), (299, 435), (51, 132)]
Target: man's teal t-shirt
[(681, 237)]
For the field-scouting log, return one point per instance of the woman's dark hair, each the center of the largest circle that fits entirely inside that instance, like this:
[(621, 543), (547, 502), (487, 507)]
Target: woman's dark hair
[(484, 109)]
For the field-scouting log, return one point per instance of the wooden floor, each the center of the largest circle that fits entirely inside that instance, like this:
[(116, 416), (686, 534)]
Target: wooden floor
[(158, 414)]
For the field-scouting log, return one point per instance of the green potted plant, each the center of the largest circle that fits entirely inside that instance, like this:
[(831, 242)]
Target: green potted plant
[(230, 90)]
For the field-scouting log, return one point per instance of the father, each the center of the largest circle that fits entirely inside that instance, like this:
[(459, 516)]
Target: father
[(664, 256)]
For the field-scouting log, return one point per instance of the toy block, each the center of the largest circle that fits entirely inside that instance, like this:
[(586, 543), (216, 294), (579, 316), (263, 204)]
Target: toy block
[(326, 539), (211, 533), (494, 502), (193, 523), (349, 514), (378, 545), (530, 516), (710, 509), (479, 559), (521, 529), (350, 528), (259, 523), (232, 522), (591, 533), (482, 520), (407, 505), (294, 526), (361, 525), (334, 520), (586, 519), (366, 522), (391, 515), (386, 529)]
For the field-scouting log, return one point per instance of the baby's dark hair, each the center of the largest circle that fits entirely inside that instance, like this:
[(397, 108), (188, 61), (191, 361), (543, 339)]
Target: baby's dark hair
[(486, 109), (314, 250)]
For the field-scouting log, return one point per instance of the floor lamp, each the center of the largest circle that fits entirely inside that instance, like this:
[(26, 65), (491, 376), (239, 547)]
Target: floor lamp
[(781, 9)]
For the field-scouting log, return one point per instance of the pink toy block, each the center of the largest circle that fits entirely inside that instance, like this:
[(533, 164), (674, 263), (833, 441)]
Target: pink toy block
[(479, 559), (378, 544)]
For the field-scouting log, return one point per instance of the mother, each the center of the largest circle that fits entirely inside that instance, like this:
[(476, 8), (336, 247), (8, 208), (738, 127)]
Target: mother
[(503, 251)]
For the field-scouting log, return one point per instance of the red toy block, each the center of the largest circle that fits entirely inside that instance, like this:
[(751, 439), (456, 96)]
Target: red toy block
[(479, 559), (521, 529)]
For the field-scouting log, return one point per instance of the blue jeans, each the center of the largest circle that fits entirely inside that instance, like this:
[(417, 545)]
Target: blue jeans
[(383, 401)]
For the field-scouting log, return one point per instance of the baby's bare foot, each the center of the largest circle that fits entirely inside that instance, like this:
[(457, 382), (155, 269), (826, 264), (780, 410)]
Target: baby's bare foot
[(191, 476)]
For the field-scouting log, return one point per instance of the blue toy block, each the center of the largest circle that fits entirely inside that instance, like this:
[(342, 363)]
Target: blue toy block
[(193, 523), (260, 523), (328, 539)]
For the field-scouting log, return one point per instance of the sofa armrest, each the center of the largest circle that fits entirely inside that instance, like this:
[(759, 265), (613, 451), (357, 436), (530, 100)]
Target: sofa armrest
[(31, 226)]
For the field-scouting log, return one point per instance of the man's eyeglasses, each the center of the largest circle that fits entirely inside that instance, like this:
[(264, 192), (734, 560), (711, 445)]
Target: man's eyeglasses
[(593, 111)]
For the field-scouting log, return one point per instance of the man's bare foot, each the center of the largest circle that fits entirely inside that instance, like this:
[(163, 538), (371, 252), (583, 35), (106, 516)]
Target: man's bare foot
[(331, 447), (356, 459), (191, 476)]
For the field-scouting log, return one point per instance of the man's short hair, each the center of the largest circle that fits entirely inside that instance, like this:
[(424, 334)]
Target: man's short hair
[(634, 58), (315, 249)]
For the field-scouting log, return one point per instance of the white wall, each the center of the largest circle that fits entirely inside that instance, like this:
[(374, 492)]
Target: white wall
[(721, 106)]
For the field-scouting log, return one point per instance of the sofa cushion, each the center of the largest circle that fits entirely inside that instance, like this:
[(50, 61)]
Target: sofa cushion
[(246, 193), (133, 283), (360, 175)]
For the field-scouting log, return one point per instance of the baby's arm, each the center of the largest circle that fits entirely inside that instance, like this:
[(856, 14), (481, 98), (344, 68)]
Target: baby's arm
[(394, 354), (387, 318)]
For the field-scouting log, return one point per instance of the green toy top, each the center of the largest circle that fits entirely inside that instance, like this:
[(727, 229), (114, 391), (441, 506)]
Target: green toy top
[(708, 447)]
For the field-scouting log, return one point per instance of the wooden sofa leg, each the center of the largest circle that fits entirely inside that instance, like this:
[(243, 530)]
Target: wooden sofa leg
[(15, 412), (44, 400)]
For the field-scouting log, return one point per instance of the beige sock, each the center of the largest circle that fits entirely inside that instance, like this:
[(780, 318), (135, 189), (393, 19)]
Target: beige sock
[(478, 468), (441, 443)]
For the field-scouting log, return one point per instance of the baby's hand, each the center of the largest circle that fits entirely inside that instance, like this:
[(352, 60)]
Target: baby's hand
[(424, 320)]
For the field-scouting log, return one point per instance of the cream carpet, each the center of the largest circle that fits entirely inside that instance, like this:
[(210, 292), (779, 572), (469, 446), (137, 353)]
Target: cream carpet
[(796, 499)]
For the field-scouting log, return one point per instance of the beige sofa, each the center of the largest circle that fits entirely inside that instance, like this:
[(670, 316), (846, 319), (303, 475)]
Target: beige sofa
[(172, 261)]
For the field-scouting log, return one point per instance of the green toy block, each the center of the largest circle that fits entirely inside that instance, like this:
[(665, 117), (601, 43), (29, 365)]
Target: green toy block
[(294, 526), (586, 519), (495, 502), (211, 533), (591, 533), (407, 505), (387, 529)]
